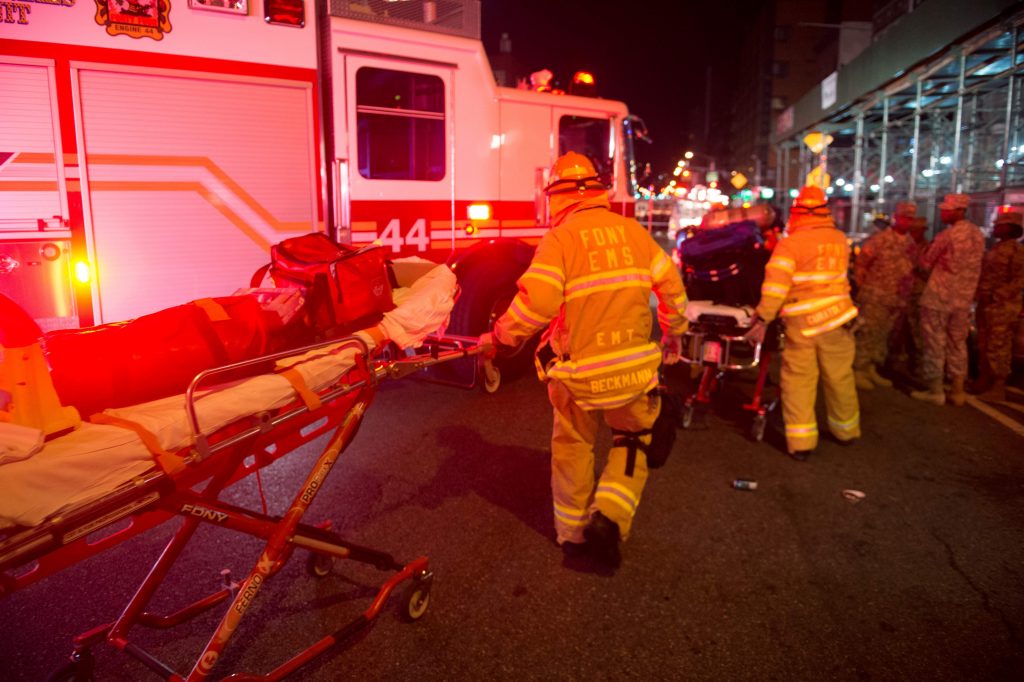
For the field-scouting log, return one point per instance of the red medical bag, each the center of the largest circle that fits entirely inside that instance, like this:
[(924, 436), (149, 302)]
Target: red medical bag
[(345, 287)]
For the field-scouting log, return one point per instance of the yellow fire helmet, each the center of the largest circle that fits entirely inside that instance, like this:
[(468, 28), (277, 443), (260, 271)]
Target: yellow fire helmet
[(573, 172), (810, 201)]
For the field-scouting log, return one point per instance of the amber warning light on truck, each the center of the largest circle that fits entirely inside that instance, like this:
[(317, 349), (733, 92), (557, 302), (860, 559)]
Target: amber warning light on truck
[(479, 211), (82, 272)]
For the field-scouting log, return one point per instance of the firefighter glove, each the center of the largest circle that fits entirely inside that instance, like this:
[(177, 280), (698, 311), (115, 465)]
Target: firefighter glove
[(671, 348), (489, 345), (756, 332)]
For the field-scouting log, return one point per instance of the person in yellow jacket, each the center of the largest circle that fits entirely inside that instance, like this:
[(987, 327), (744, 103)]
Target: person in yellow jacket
[(590, 283), (806, 284)]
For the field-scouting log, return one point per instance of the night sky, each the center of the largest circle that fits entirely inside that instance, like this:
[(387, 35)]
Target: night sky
[(654, 58)]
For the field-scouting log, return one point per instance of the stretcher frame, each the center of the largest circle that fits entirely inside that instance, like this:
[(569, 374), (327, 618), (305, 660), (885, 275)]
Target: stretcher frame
[(241, 449), (713, 353)]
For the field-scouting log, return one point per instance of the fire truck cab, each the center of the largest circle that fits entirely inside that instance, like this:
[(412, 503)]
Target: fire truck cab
[(151, 154)]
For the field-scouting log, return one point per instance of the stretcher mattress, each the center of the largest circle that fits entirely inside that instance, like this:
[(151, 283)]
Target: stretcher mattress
[(95, 459)]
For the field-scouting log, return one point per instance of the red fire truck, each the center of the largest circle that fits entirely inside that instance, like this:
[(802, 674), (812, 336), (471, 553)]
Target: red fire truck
[(151, 152)]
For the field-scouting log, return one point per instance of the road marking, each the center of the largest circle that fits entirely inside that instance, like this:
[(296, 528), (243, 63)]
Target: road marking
[(1012, 406), (996, 414)]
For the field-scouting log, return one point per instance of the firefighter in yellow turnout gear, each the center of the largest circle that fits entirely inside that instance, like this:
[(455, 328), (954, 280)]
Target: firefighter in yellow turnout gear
[(590, 283), (806, 283)]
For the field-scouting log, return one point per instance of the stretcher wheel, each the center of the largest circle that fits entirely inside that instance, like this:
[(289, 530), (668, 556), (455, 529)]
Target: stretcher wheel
[(687, 417), (757, 427), (319, 565), (78, 669), (416, 599), (492, 377)]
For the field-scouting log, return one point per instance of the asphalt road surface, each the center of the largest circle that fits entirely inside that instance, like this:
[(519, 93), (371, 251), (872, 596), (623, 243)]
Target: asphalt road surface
[(922, 579)]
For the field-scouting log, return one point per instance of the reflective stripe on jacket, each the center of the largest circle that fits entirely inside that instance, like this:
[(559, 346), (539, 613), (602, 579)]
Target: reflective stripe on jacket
[(591, 280), (805, 281)]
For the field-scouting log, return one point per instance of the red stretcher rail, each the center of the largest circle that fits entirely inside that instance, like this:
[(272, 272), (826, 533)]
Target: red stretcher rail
[(221, 459)]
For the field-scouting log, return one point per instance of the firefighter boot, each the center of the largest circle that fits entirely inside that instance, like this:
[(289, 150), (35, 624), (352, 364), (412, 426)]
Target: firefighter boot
[(877, 379), (996, 391), (933, 394), (863, 381), (957, 395), (602, 536)]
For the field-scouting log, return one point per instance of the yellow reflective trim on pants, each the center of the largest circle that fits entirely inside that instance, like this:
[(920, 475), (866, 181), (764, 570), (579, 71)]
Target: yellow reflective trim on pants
[(618, 494), (845, 425), (571, 517), (801, 429)]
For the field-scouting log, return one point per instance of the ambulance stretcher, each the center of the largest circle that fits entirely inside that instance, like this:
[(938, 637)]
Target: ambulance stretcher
[(716, 343), (149, 462)]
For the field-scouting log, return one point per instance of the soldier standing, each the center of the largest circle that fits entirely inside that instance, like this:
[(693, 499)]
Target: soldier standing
[(954, 259), (907, 343), (999, 303), (883, 273)]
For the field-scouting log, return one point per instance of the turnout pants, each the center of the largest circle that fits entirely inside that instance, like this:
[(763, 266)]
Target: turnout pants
[(828, 356), (573, 492)]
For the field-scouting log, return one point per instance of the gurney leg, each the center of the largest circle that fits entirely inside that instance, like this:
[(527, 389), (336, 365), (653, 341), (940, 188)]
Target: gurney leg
[(278, 547), (756, 404)]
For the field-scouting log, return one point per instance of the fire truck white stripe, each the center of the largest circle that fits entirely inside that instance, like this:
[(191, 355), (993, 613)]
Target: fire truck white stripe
[(523, 231)]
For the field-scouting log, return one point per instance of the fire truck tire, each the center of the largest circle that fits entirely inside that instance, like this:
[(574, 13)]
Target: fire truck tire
[(486, 294)]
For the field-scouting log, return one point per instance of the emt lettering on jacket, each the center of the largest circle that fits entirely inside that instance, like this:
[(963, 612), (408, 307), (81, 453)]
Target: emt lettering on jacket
[(614, 338), (607, 247)]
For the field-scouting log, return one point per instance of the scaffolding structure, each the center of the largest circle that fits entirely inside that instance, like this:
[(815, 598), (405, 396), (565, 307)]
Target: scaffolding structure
[(950, 123)]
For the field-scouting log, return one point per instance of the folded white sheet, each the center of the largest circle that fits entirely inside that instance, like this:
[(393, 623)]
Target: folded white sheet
[(18, 442)]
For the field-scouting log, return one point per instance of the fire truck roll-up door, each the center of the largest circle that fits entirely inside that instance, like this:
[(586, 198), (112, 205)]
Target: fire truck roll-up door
[(189, 178), (394, 153), (34, 235)]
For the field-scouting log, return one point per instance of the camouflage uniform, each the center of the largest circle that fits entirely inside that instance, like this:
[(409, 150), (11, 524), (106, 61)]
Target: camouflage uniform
[(999, 304), (917, 285), (954, 258), (883, 275)]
